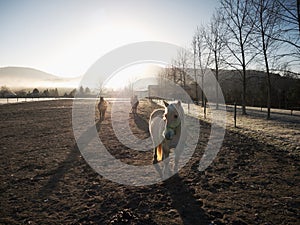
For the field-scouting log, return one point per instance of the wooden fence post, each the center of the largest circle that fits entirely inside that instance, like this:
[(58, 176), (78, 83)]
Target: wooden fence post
[(235, 115), (204, 108)]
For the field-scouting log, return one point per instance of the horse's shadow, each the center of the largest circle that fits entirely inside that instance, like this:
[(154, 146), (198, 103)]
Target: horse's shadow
[(183, 200), (141, 123), (68, 163)]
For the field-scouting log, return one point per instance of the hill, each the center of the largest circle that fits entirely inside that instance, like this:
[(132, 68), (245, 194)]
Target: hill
[(285, 89), (23, 77)]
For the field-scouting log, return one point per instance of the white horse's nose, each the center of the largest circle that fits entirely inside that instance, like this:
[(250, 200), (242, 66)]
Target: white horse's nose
[(169, 133)]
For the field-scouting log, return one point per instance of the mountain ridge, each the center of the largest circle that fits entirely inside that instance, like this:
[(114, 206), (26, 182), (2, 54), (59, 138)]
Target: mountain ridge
[(25, 77)]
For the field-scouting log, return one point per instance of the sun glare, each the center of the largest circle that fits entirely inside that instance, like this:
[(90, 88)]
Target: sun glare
[(131, 74)]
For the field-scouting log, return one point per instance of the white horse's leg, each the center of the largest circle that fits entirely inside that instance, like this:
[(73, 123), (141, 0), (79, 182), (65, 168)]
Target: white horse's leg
[(155, 156), (166, 158), (176, 163), (178, 151), (155, 163), (166, 169), (177, 156)]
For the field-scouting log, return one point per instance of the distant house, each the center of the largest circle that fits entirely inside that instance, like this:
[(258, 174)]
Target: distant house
[(141, 93), (171, 92), (154, 91)]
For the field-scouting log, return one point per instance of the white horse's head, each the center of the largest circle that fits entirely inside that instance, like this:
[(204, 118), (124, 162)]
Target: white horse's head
[(174, 117)]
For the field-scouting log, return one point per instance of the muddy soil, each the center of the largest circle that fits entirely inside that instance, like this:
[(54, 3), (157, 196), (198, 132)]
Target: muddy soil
[(45, 180)]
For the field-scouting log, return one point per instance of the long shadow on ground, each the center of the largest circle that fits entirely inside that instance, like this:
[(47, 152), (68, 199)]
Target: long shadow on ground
[(68, 163), (187, 206), (141, 123)]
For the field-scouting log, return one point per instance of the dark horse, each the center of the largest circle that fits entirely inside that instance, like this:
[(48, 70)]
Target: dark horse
[(134, 104), (102, 106)]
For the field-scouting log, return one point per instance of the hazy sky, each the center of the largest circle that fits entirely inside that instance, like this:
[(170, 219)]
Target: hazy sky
[(66, 37)]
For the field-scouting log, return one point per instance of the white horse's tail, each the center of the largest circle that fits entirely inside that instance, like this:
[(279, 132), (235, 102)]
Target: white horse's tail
[(159, 152)]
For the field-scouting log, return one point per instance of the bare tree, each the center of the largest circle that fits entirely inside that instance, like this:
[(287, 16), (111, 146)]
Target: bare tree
[(204, 57), (100, 88), (236, 15), (194, 45), (172, 73), (266, 20), (289, 13), (163, 75), (181, 65), (215, 38)]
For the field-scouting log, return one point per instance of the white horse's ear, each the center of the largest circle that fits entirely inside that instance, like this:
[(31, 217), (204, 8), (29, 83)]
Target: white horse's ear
[(166, 104)]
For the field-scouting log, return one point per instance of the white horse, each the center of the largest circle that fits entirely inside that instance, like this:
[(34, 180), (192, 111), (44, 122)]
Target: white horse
[(165, 129)]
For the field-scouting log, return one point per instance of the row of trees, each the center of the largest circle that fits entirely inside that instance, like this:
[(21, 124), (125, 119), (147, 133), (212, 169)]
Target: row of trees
[(285, 90), (243, 35), (82, 92), (6, 92)]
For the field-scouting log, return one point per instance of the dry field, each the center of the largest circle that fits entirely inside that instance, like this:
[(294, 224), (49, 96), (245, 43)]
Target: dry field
[(255, 178)]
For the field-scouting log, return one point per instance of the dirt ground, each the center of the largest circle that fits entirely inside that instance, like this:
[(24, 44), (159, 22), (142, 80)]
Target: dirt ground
[(45, 180)]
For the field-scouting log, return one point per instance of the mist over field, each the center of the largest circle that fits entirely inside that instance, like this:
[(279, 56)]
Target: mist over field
[(23, 78)]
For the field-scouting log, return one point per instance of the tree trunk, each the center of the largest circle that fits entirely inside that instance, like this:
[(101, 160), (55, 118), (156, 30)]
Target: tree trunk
[(267, 66), (268, 85), (217, 78), (196, 83), (298, 12), (244, 93), (202, 90), (244, 76)]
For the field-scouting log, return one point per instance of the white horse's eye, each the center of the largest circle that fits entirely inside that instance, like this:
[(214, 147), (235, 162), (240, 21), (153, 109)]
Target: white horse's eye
[(175, 116)]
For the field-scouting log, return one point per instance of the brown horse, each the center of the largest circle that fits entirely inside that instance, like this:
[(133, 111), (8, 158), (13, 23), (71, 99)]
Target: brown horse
[(102, 106), (134, 104)]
